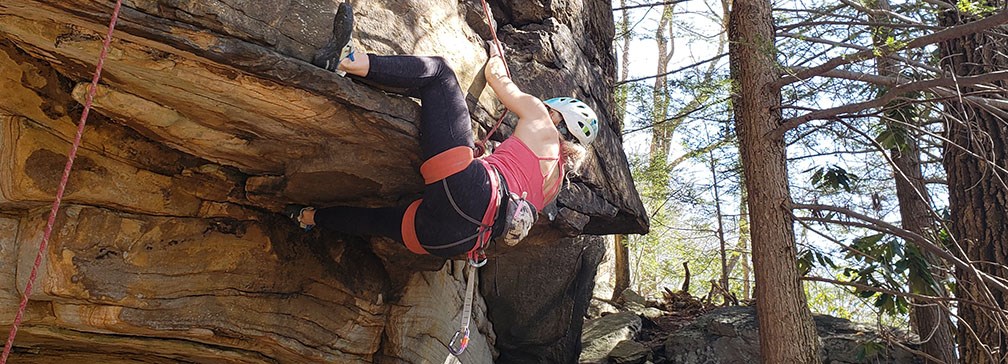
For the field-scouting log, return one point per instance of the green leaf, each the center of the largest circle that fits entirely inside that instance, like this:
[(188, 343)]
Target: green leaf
[(832, 178), (886, 139), (869, 350), (805, 259), (901, 265), (824, 260)]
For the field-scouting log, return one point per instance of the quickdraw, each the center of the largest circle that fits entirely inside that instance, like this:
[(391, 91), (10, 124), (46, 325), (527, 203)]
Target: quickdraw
[(460, 340)]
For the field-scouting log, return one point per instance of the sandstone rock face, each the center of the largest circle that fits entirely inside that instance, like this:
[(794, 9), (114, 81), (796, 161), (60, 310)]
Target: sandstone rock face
[(729, 335), (208, 120)]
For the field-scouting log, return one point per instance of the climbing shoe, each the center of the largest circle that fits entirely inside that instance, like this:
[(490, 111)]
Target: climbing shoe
[(338, 47), (294, 212)]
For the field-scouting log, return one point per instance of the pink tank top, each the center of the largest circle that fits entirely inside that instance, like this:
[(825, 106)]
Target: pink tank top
[(520, 167)]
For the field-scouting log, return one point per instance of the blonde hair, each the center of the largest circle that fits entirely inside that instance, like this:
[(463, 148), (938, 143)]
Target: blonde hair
[(573, 155)]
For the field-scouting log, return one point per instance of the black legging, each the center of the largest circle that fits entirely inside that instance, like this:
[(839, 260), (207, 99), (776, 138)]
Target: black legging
[(444, 124)]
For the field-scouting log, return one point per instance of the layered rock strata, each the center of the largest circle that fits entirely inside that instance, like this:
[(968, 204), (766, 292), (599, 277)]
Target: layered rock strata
[(208, 120)]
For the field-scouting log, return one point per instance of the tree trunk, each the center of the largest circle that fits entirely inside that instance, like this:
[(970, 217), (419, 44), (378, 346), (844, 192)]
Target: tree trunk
[(623, 34), (741, 255), (622, 274), (620, 248), (661, 135), (787, 334), (720, 232), (929, 320), (978, 198)]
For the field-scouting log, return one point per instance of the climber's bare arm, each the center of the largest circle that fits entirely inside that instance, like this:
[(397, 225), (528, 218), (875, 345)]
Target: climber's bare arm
[(535, 126)]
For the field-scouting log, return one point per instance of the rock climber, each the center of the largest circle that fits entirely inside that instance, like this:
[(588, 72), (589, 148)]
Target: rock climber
[(465, 198)]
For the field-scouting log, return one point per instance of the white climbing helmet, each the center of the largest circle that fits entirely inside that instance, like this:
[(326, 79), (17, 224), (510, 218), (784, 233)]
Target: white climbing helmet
[(581, 120)]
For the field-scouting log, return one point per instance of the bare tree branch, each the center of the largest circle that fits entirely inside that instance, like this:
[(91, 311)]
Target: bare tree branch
[(712, 59), (857, 76), (947, 143), (994, 20), (881, 13), (831, 12), (994, 106), (893, 56), (788, 27), (628, 7), (835, 43), (941, 4), (678, 116), (889, 96)]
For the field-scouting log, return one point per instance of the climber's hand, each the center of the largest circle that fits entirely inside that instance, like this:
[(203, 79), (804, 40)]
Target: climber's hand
[(495, 69), (492, 50)]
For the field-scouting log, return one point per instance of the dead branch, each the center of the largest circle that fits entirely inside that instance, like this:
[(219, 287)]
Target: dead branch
[(628, 7), (712, 59), (984, 24), (892, 94), (788, 27), (685, 284), (879, 13)]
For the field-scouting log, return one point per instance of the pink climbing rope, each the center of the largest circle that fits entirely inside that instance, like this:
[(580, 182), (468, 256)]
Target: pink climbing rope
[(481, 146), (62, 185)]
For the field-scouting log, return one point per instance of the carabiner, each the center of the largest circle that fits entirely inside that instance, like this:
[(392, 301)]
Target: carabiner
[(478, 258), (462, 343)]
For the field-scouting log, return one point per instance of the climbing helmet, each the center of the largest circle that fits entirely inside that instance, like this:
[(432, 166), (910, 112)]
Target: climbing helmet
[(580, 120)]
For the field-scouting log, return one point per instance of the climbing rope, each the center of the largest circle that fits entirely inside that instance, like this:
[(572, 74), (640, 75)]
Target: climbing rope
[(62, 185), (477, 257), (481, 146)]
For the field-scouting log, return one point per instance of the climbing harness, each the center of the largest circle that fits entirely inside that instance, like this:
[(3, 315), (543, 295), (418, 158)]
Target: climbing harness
[(477, 256), (480, 147), (484, 227), (62, 185), (438, 169)]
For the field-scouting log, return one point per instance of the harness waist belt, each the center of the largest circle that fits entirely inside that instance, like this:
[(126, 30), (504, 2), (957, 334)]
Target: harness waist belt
[(442, 166), (409, 229), (446, 163)]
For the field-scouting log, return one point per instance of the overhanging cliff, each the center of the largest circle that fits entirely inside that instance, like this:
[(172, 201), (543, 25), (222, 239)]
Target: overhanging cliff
[(208, 120)]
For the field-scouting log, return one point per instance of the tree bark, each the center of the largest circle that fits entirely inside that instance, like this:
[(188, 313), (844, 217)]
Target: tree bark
[(787, 334), (620, 248), (928, 320), (622, 274), (978, 198)]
